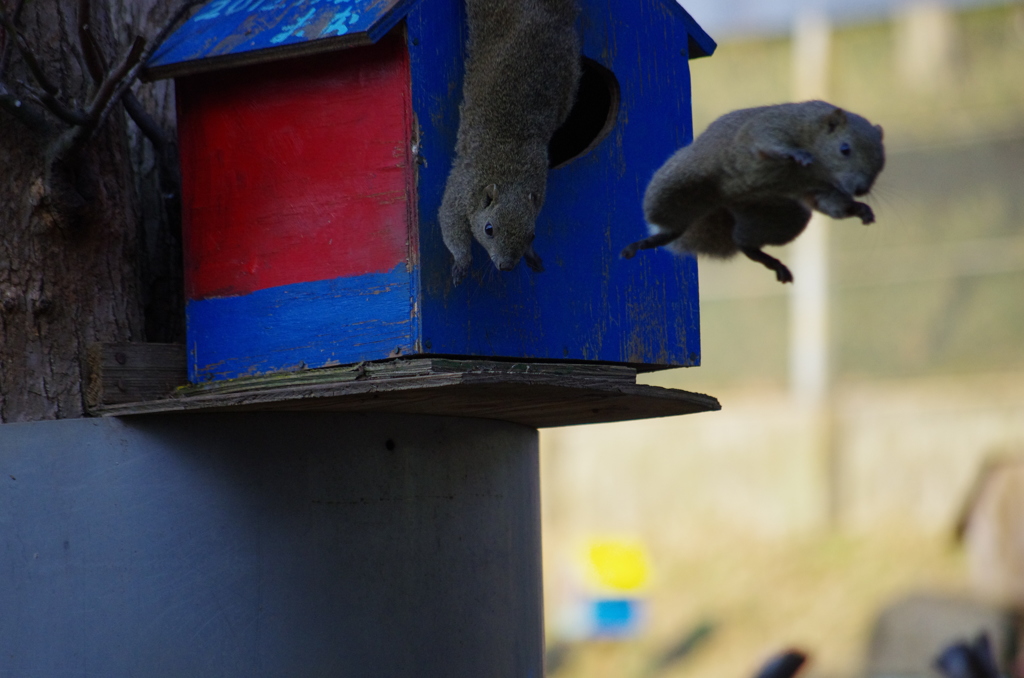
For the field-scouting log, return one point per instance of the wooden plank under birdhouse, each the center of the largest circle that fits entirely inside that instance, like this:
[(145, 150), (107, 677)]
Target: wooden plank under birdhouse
[(533, 394)]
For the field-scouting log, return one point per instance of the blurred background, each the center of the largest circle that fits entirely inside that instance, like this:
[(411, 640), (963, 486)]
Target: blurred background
[(861, 493)]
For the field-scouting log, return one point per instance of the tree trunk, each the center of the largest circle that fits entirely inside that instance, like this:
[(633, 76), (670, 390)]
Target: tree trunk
[(157, 183), (69, 268)]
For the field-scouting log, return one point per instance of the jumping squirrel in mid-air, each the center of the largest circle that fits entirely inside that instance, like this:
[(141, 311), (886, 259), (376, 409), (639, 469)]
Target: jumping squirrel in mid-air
[(753, 177), (522, 72)]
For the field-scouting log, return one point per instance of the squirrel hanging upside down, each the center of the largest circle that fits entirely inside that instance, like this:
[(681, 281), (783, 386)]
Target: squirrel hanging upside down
[(522, 72)]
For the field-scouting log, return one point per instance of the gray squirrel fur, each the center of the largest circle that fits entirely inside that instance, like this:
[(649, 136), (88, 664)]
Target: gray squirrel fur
[(753, 177), (522, 71)]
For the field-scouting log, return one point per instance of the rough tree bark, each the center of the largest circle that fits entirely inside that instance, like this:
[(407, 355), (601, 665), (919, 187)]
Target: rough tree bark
[(76, 270)]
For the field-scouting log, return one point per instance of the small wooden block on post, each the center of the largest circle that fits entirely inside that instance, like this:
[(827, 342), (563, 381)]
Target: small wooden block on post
[(533, 394), (132, 373)]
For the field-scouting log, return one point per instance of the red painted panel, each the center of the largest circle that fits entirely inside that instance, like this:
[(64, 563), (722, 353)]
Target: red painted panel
[(296, 171)]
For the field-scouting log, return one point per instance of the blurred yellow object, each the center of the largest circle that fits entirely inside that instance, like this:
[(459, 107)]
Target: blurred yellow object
[(617, 565)]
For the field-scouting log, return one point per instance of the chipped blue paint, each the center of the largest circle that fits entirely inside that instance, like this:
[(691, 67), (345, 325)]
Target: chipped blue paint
[(588, 304), (316, 324), (340, 23), (293, 29), (255, 29)]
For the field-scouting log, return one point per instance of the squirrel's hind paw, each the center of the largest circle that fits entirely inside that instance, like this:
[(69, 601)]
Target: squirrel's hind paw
[(782, 273)]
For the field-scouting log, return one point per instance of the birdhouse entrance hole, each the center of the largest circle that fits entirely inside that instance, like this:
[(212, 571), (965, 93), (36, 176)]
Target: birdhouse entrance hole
[(591, 118)]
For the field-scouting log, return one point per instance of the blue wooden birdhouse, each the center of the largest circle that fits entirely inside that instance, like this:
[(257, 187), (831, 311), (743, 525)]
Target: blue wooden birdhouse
[(316, 137)]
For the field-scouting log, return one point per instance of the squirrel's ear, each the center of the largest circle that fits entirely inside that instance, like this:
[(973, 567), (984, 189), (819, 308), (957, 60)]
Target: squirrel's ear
[(835, 119), (881, 132), (490, 194)]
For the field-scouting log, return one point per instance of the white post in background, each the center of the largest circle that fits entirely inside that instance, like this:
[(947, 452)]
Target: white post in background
[(809, 360), (924, 46), (808, 343)]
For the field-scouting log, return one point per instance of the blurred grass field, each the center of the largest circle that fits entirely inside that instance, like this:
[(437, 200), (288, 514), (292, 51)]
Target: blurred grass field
[(818, 593)]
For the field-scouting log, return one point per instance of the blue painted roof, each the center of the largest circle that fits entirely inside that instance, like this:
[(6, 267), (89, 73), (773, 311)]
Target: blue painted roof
[(700, 43), (228, 33), (234, 32)]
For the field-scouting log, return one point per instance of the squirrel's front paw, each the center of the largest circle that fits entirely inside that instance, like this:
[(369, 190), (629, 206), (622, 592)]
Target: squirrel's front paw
[(629, 251), (861, 210), (533, 260), (459, 271)]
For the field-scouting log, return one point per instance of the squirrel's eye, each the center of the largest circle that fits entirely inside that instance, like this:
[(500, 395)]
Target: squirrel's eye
[(489, 230), (845, 149)]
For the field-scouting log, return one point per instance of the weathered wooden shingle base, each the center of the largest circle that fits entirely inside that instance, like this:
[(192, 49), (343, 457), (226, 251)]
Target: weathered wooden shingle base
[(534, 394)]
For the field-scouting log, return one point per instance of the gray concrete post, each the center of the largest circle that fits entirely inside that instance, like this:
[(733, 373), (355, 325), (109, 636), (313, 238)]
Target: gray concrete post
[(270, 544)]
